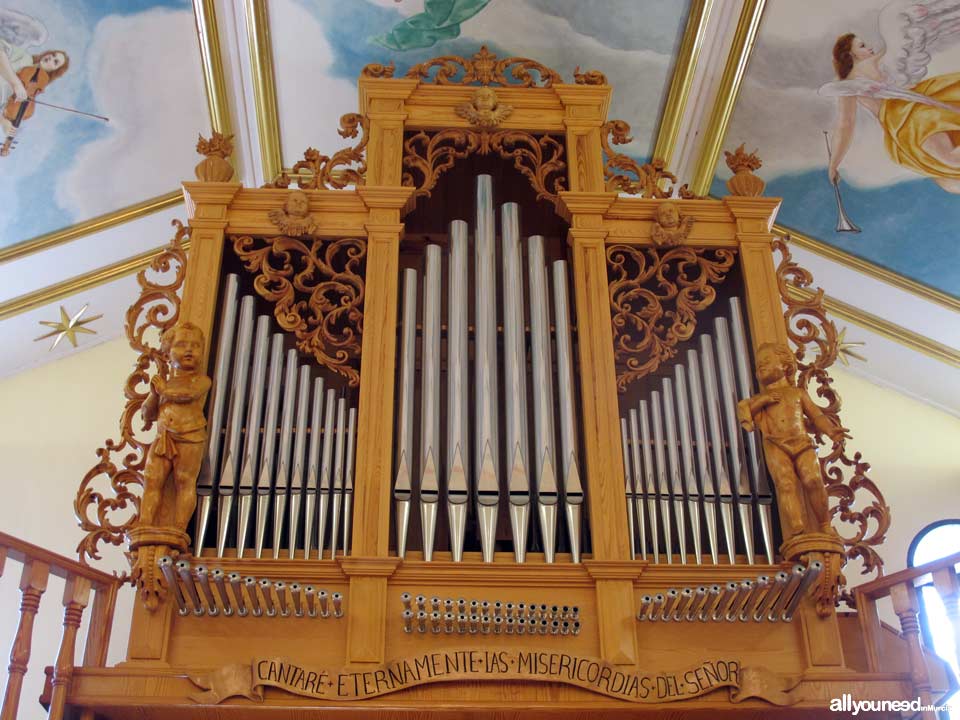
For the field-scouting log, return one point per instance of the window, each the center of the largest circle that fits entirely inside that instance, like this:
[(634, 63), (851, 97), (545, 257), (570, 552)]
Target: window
[(932, 543)]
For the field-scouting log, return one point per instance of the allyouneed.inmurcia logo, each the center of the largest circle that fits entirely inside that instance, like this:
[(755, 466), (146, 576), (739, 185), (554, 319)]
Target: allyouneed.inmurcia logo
[(846, 703)]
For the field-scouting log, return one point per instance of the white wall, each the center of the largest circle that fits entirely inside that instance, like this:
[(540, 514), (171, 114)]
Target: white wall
[(54, 417)]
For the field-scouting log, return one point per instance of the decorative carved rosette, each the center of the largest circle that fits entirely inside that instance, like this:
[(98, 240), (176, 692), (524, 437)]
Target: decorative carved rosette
[(644, 282), (485, 69), (334, 172), (539, 159), (107, 516), (861, 504), (317, 289), (633, 178)]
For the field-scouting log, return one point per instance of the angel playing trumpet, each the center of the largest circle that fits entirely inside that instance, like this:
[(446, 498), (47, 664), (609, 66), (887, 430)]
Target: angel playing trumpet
[(919, 115)]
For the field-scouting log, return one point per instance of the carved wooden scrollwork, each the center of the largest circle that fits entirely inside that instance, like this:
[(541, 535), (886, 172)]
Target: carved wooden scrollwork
[(485, 69), (378, 70), (539, 159), (334, 172), (588, 77), (655, 296), (624, 174), (105, 518), (317, 289), (814, 338)]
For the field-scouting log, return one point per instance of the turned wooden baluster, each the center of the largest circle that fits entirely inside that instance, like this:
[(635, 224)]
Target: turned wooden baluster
[(33, 583), (947, 584), (906, 606), (76, 595)]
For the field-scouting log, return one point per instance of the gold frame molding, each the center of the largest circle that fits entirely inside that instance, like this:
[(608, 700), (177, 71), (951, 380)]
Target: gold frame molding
[(688, 55), (74, 285), (211, 60), (264, 89), (727, 92)]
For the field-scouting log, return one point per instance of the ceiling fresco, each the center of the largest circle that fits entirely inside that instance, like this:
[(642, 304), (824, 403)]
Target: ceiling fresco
[(632, 41), (124, 131), (866, 93)]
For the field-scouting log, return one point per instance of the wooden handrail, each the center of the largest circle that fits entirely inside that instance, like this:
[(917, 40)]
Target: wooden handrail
[(60, 566), (916, 576)]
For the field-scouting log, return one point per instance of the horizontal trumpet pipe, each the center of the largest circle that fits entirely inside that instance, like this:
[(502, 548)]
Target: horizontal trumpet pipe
[(309, 594), (280, 588), (796, 576), (219, 579), (266, 597), (700, 598), (756, 597), (672, 598), (779, 584), (297, 599), (237, 586), (809, 577), (250, 585), (739, 600), (721, 608), (203, 580), (683, 604), (166, 567), (183, 569), (645, 602)]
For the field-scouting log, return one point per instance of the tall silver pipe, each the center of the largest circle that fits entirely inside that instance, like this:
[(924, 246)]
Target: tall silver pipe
[(458, 389), (544, 453), (686, 453), (218, 394), (430, 401), (283, 458), (313, 468), (675, 482), (265, 476), (722, 478), (402, 487), (570, 467), (326, 470), (649, 484), (515, 380), (758, 476), (641, 501), (628, 487), (738, 468), (662, 485), (485, 369), (703, 459), (251, 443), (338, 471), (299, 463), (235, 416), (348, 478)]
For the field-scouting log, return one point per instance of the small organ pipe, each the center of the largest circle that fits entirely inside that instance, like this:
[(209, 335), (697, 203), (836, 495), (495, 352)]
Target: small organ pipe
[(265, 475), (430, 401), (458, 390), (283, 461), (248, 471), (338, 471), (703, 459), (299, 460), (722, 478), (662, 484), (348, 478), (649, 484), (628, 487), (313, 468), (326, 469), (675, 484), (686, 454), (641, 498)]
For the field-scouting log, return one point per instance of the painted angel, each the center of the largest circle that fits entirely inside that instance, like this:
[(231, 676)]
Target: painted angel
[(919, 115), (17, 33)]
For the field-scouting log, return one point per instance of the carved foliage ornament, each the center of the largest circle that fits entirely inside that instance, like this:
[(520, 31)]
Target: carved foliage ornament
[(105, 518), (485, 69), (317, 290), (655, 296), (539, 159), (334, 172), (624, 174), (815, 341)]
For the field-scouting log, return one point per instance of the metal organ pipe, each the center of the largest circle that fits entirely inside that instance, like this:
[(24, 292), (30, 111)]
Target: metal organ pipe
[(313, 469), (515, 380), (348, 479), (674, 484), (265, 476), (628, 487), (402, 489), (649, 486), (430, 401), (231, 463), (572, 487), (662, 486), (283, 462), (703, 459), (338, 471), (686, 447), (299, 459), (458, 391), (326, 467), (218, 392), (485, 370), (640, 494), (248, 471), (543, 452)]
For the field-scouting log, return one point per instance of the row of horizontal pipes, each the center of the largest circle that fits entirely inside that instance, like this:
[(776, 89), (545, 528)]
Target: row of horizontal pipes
[(270, 463), (683, 446), (547, 490)]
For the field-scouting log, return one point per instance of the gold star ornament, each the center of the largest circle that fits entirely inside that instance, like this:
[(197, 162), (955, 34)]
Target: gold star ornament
[(845, 351), (68, 327)]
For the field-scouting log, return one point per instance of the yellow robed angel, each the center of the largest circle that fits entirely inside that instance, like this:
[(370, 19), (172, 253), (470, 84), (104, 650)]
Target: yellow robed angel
[(919, 115)]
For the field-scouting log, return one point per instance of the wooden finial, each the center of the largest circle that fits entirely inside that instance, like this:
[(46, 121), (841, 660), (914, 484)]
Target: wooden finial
[(215, 167), (744, 182)]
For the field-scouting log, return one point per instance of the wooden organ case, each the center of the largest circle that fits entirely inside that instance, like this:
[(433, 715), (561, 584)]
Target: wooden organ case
[(475, 436)]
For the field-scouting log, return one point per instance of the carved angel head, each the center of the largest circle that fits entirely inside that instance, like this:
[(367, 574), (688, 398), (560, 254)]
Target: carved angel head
[(668, 215), (297, 204)]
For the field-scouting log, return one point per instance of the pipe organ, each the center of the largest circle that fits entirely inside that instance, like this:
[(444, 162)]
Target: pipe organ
[(504, 404)]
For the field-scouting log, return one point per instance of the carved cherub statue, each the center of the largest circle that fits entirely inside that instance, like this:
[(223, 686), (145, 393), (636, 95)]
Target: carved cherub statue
[(781, 410), (670, 228), (484, 109), (295, 219), (176, 405)]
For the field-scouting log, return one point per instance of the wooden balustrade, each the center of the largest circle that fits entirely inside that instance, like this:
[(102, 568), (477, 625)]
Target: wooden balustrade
[(79, 580), (902, 588)]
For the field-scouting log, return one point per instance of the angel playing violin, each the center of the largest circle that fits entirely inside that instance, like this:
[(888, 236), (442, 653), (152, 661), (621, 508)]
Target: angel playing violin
[(23, 75), (919, 115)]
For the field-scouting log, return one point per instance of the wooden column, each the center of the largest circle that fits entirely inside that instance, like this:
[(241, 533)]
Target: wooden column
[(584, 112), (905, 605), (33, 583), (76, 595), (207, 204)]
